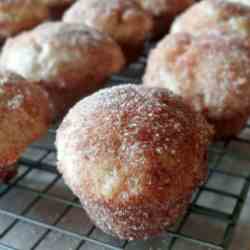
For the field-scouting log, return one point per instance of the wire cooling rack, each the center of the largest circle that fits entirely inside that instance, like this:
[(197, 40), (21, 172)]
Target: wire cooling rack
[(37, 211)]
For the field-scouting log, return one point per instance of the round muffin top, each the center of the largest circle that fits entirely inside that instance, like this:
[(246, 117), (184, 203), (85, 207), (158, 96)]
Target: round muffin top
[(56, 51), (123, 20), (208, 14), (209, 71), (133, 144)]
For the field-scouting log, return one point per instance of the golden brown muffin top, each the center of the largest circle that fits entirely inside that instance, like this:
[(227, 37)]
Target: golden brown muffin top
[(132, 144)]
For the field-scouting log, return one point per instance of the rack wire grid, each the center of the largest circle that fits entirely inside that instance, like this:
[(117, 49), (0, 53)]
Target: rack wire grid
[(37, 211)]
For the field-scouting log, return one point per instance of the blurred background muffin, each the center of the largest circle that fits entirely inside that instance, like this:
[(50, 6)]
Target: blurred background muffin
[(69, 60), (124, 20), (211, 73)]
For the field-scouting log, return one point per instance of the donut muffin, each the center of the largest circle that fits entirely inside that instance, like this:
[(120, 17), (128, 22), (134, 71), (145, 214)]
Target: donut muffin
[(164, 11), (133, 156), (69, 60), (19, 15), (123, 20), (24, 117), (210, 71), (208, 14)]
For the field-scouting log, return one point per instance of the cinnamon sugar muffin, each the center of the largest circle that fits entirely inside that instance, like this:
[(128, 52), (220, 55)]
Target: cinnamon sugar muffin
[(133, 156), (164, 11), (19, 15), (211, 72), (123, 20), (24, 117), (69, 60), (208, 14)]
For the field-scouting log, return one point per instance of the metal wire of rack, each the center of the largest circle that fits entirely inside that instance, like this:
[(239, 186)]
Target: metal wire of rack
[(38, 212)]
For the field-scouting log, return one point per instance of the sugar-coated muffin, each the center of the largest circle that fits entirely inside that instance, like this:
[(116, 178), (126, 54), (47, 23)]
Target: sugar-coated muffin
[(208, 14), (19, 15), (164, 11), (24, 117), (133, 156), (69, 60), (123, 20), (211, 73)]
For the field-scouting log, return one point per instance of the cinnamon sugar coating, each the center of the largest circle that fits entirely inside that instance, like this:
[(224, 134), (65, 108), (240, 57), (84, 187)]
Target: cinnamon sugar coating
[(24, 117), (211, 72), (133, 156), (208, 14)]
